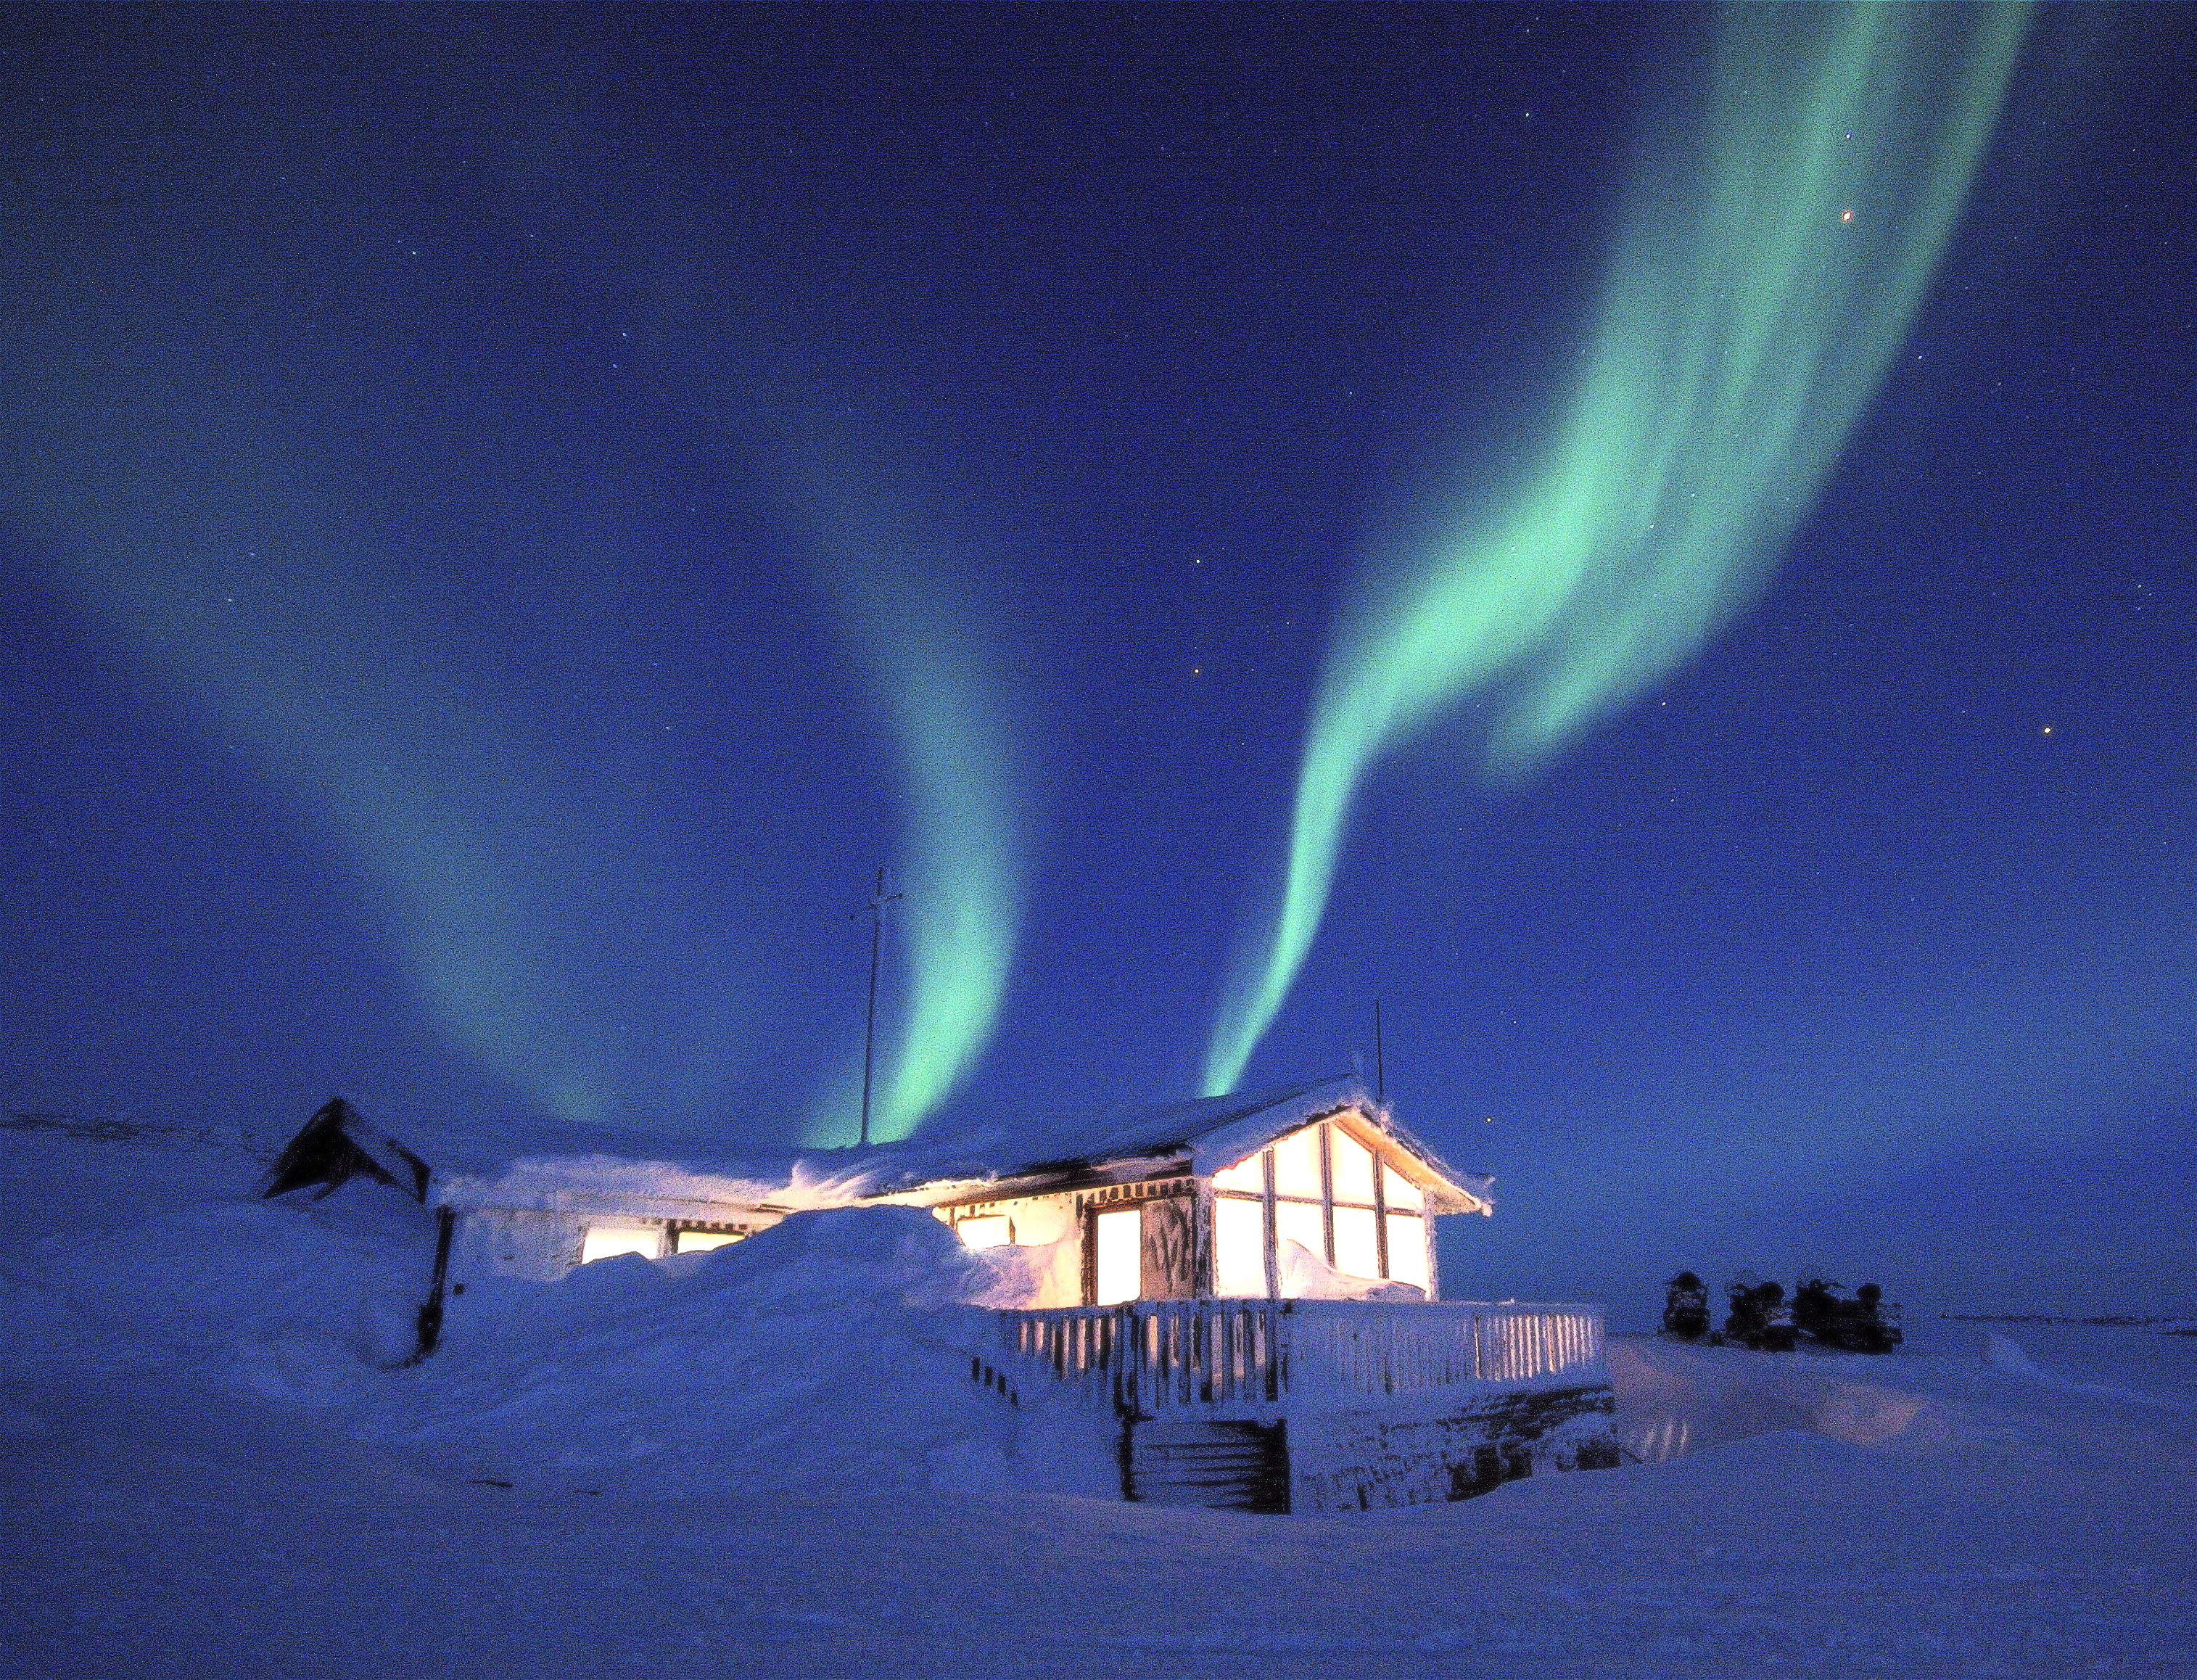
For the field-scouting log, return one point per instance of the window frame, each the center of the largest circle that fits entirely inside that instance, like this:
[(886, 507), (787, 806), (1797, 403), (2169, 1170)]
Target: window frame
[(667, 1233), (1269, 1200)]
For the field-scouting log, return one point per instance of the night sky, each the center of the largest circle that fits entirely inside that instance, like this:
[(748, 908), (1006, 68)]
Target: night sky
[(512, 514)]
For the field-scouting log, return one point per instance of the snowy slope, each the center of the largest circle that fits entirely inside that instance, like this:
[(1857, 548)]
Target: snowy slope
[(207, 1473)]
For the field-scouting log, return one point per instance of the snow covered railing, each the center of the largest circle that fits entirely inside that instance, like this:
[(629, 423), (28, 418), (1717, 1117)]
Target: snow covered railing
[(1152, 1357), (1370, 1348), (1151, 1354)]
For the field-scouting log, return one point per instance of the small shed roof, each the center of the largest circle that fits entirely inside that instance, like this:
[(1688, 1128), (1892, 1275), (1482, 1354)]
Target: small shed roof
[(336, 1145)]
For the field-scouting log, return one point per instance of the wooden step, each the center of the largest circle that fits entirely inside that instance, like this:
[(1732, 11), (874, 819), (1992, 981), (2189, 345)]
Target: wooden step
[(1223, 1466)]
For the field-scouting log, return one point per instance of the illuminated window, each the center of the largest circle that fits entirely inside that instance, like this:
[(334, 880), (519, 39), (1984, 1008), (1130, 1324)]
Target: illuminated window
[(1245, 1175), (1397, 1191), (603, 1241), (990, 1231), (1121, 1256), (1239, 1246), (1296, 1165), (1357, 1250), (1350, 1164), (1300, 1222), (1332, 1193), (1407, 1250), (701, 1241)]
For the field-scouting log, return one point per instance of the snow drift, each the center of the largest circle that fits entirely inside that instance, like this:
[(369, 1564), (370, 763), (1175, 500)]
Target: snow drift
[(831, 1350)]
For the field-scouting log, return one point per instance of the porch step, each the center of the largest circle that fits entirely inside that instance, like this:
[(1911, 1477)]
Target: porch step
[(1225, 1466)]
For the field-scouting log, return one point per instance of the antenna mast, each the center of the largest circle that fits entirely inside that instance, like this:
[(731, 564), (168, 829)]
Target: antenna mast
[(878, 900), (1380, 1068)]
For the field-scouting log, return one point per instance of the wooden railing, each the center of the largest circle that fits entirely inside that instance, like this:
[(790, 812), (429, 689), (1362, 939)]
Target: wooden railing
[(1149, 1357), (1156, 1355), (1369, 1348)]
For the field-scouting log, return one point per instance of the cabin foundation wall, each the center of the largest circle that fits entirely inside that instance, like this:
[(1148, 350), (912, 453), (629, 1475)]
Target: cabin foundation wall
[(1370, 1459)]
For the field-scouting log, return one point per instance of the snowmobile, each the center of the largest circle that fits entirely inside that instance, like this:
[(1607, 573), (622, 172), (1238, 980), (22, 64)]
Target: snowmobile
[(1760, 1317), (1867, 1324), (1686, 1308)]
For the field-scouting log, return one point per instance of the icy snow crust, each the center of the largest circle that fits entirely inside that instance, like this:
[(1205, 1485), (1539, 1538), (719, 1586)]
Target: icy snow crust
[(770, 1459)]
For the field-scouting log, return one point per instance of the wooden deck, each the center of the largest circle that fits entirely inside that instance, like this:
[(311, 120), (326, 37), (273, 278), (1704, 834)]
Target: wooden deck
[(1248, 1358)]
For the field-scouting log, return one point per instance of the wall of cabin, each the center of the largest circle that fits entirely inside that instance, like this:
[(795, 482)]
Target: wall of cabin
[(1339, 1187), (1345, 1192), (544, 1244), (1142, 1240), (534, 1243), (1097, 1247), (1050, 1228)]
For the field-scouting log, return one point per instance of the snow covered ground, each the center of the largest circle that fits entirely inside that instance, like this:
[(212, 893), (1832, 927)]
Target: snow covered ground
[(766, 1461)]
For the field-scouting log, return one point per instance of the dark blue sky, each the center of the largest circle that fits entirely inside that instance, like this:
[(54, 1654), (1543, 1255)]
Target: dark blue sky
[(489, 490)]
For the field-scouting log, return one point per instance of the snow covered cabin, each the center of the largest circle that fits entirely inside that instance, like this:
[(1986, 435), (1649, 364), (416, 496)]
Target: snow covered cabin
[(1309, 1192), (1243, 1287)]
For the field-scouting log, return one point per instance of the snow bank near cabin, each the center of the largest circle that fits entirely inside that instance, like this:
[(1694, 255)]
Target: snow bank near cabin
[(165, 1259), (832, 1350), (1676, 1399), (2002, 1353), (1673, 1400)]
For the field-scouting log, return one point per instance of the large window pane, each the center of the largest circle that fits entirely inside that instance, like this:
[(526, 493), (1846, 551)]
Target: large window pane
[(1397, 1191), (1351, 1165), (1245, 1175), (1239, 1246), (1355, 1249), (1300, 1222), (602, 1241), (1296, 1165), (1121, 1255), (1407, 1249)]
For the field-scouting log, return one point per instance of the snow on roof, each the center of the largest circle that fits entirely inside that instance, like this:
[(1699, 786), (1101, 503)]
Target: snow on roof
[(1208, 1133)]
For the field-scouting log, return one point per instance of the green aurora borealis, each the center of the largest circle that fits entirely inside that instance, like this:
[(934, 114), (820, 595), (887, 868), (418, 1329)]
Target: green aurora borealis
[(1770, 267)]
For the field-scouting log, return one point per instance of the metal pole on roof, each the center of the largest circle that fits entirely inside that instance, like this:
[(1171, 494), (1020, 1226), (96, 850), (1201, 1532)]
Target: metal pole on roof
[(1380, 1069), (878, 900)]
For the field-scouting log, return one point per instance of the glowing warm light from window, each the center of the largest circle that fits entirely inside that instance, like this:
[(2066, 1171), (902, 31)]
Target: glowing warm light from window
[(1239, 1246), (1350, 1163), (1324, 1177), (1296, 1165), (991, 1232), (1357, 1249), (1245, 1175), (1407, 1250), (1399, 1192), (1121, 1255), (701, 1241), (1300, 1222), (603, 1241)]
